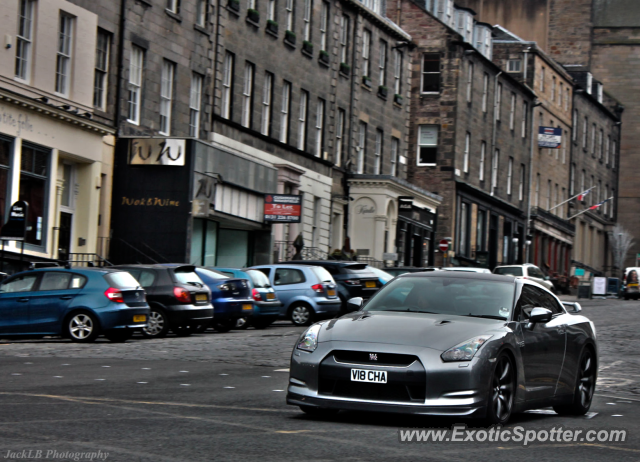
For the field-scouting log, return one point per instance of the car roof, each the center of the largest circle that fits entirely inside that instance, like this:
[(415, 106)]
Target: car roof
[(460, 275), (74, 269), (327, 262)]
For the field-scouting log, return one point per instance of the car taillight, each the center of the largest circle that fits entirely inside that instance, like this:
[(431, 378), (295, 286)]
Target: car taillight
[(353, 282), (319, 288), (182, 295), (113, 294), (256, 295)]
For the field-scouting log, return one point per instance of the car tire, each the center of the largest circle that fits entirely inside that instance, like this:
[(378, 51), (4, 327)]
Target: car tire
[(224, 326), (242, 323), (118, 335), (501, 391), (301, 314), (157, 324), (262, 323), (82, 327), (585, 386), (319, 411)]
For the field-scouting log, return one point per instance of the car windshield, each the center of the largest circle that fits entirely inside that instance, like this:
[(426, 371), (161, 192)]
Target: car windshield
[(535, 272), (322, 274), (446, 295), (509, 270), (259, 280)]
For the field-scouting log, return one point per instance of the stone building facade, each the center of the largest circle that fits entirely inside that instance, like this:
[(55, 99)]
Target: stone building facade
[(470, 135)]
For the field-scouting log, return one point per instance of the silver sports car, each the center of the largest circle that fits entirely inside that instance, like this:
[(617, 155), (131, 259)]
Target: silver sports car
[(450, 344)]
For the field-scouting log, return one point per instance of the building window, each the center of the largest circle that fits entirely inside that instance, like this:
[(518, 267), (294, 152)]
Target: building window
[(560, 94), (339, 136), (201, 12), (284, 112), (34, 173), (525, 116), (512, 112), (485, 91), (483, 153), (103, 44), (566, 99), (469, 81), (509, 175), (24, 39), (514, 65), (252, 4), (564, 148), (383, 63), (464, 223), (324, 25), (366, 46), (135, 84), (173, 6), (395, 147), (166, 95), (542, 76), (427, 144), (498, 101), (288, 8), (362, 146), (227, 85), (572, 179), (585, 129), (344, 38), (195, 103), (6, 148), (575, 125), (589, 82), (600, 94), (537, 190), (378, 153), (553, 88), (522, 182), (614, 153), (494, 170), (606, 204), (601, 144), (397, 71), (319, 127), (315, 228), (271, 10), (607, 146), (548, 194), (582, 182), (267, 92), (556, 200), (430, 75), (465, 160), (63, 59), (247, 95), (593, 140), (306, 33), (302, 120)]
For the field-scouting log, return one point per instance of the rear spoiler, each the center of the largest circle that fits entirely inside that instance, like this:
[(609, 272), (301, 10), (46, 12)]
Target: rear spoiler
[(184, 269)]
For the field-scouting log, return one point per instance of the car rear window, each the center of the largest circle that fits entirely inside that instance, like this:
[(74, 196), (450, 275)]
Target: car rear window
[(322, 274), (511, 270), (121, 280), (259, 280), (360, 270), (214, 274), (188, 277)]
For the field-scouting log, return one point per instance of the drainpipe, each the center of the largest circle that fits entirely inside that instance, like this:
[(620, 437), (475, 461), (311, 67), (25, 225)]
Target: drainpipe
[(119, 83), (495, 127), (527, 225)]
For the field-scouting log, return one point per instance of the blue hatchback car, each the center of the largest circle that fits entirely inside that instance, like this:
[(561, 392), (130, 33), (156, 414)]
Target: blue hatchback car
[(265, 301), (79, 303)]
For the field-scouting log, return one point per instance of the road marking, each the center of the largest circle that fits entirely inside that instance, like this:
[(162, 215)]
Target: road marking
[(615, 363), (146, 368), (99, 379), (57, 376), (617, 415), (184, 371), (281, 370), (591, 415), (266, 376), (288, 432), (106, 366), (612, 404), (15, 373), (277, 390), (228, 387), (618, 397), (28, 363), (142, 382), (66, 364), (185, 384)]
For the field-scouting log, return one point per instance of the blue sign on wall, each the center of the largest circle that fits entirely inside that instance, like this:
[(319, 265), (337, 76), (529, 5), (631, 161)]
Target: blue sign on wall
[(549, 137)]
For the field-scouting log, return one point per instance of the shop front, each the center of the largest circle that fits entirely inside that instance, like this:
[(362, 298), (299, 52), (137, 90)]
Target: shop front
[(552, 243)]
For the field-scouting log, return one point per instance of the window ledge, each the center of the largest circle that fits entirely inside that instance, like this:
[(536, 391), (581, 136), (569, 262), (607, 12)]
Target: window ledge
[(173, 15), (366, 87), (202, 30), (399, 106), (342, 74), (271, 33), (236, 13), (254, 24), (306, 53), (381, 97), (288, 43), (146, 3)]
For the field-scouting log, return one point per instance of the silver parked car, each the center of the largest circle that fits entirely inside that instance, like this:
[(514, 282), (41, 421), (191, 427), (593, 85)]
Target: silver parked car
[(449, 343), (526, 271)]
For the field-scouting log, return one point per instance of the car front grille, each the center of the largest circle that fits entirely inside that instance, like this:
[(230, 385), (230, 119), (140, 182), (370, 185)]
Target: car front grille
[(381, 359)]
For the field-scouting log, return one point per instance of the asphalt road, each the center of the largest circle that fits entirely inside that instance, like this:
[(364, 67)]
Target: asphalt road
[(221, 397)]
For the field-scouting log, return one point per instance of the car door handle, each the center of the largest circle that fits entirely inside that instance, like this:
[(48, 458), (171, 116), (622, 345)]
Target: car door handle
[(66, 297), (23, 300)]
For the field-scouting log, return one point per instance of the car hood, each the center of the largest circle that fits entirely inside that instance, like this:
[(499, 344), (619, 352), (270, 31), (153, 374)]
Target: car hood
[(437, 331)]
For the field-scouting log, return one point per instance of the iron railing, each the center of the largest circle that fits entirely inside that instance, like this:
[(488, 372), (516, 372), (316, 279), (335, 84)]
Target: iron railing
[(88, 260)]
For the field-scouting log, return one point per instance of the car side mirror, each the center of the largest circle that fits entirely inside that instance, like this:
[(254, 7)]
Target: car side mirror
[(572, 307), (546, 278), (355, 303), (540, 315)]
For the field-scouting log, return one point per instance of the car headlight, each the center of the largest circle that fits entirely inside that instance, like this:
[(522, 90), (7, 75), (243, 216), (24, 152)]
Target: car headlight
[(466, 350), (309, 340)]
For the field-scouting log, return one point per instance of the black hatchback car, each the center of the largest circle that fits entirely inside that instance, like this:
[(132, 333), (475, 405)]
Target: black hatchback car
[(178, 299), (352, 278)]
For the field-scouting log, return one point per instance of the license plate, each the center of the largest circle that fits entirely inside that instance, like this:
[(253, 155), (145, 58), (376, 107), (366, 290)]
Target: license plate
[(331, 293), (632, 285), (247, 307), (139, 318), (201, 297), (271, 296), (370, 284), (363, 375)]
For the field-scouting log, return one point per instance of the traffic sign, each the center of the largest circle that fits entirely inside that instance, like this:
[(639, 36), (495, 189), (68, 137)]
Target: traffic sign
[(443, 245)]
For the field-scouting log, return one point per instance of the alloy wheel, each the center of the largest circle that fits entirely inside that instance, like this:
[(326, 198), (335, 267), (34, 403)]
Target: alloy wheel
[(81, 326), (502, 388), (587, 379), (155, 324), (300, 315)]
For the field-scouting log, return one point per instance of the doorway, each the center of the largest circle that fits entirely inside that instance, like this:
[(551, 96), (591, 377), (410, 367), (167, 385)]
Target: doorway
[(64, 236), (67, 210)]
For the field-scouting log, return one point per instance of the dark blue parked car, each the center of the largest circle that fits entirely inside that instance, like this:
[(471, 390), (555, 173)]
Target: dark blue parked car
[(266, 304), (79, 303)]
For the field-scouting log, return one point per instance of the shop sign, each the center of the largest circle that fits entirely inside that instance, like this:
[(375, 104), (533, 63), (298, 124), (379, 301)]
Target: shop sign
[(157, 151), (390, 256), (16, 226), (405, 202), (282, 208), (549, 137)]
